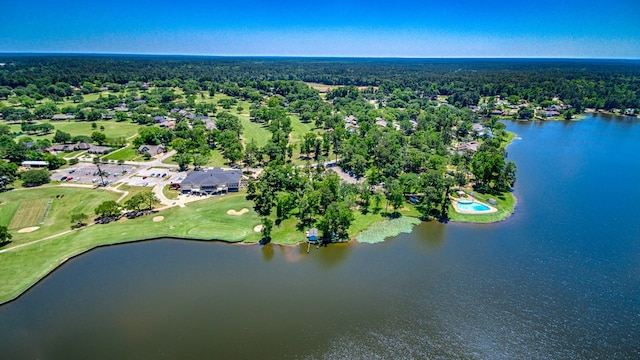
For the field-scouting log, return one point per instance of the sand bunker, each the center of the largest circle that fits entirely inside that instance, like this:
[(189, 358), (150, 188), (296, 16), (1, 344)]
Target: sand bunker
[(237, 213), (258, 228), (28, 229), (158, 218)]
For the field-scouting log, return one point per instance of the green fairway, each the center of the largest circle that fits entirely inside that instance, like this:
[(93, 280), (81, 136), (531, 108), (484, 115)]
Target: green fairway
[(66, 201), (206, 219), (111, 128), (254, 130)]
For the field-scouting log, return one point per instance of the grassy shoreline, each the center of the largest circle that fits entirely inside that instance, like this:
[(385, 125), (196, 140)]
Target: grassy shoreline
[(29, 259)]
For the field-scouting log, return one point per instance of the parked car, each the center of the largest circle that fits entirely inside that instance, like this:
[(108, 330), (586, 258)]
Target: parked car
[(69, 178), (63, 178), (163, 175)]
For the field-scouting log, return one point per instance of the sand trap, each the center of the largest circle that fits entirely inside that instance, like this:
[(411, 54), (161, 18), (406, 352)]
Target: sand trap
[(158, 218), (258, 228), (237, 213), (28, 229)]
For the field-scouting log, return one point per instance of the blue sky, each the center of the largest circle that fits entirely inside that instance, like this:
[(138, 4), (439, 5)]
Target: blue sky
[(394, 28)]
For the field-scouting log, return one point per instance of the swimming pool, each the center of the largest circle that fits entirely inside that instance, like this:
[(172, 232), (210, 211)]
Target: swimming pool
[(470, 206)]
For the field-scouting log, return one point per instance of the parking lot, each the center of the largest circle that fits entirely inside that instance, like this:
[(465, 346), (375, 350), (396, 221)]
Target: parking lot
[(152, 177), (88, 173)]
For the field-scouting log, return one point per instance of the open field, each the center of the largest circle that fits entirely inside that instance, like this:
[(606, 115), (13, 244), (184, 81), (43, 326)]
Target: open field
[(66, 201), (29, 213), (111, 128)]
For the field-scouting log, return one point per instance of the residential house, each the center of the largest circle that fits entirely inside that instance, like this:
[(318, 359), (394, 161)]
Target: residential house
[(58, 148), (58, 117), (152, 149), (211, 182), (160, 119), (99, 149), (81, 146), (469, 146)]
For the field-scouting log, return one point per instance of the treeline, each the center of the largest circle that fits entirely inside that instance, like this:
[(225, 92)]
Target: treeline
[(582, 83)]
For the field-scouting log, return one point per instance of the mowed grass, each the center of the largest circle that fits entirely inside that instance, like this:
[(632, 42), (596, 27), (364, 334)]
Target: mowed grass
[(66, 201), (112, 128), (253, 130), (29, 213), (206, 220), (128, 153)]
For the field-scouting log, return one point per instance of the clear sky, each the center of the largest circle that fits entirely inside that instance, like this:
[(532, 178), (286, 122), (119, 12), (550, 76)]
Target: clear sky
[(391, 28)]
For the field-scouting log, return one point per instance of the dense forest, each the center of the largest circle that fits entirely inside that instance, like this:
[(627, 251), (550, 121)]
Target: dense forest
[(606, 84), (407, 132)]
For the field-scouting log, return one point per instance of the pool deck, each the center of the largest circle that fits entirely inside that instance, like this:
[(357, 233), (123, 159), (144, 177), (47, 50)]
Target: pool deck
[(454, 201)]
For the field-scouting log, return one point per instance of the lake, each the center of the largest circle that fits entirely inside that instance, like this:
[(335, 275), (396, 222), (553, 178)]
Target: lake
[(560, 279)]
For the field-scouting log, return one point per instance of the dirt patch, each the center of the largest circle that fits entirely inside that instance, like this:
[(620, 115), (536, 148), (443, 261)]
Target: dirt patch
[(237, 213), (158, 218), (258, 228), (28, 229)]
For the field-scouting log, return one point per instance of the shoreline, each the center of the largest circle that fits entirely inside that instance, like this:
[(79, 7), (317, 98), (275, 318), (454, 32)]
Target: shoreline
[(71, 244)]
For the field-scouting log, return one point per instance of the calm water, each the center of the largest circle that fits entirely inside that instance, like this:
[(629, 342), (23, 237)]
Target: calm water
[(558, 280)]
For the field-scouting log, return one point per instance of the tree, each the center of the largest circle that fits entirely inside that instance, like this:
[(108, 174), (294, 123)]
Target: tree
[(150, 199), (5, 235), (198, 161), (108, 208), (267, 226), (33, 178), (525, 113), (54, 161), (135, 202), (8, 173), (98, 137), (335, 222), (183, 160), (78, 219)]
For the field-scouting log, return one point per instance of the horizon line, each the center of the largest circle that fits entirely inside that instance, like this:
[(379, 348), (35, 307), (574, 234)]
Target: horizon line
[(2, 53)]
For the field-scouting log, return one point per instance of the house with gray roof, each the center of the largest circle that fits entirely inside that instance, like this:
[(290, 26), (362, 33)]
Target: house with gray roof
[(211, 182), (152, 149), (99, 149)]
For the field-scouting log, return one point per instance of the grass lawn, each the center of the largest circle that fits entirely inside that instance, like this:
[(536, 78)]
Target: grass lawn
[(506, 205), (170, 194), (207, 219), (66, 201), (128, 153), (255, 131), (29, 213), (133, 190), (111, 128), (215, 160)]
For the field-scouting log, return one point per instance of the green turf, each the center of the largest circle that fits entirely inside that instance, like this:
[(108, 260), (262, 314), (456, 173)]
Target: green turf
[(128, 153), (206, 219), (29, 213), (67, 200)]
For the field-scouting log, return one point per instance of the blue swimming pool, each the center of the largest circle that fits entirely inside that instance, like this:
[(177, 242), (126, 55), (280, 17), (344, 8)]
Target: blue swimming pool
[(472, 206)]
